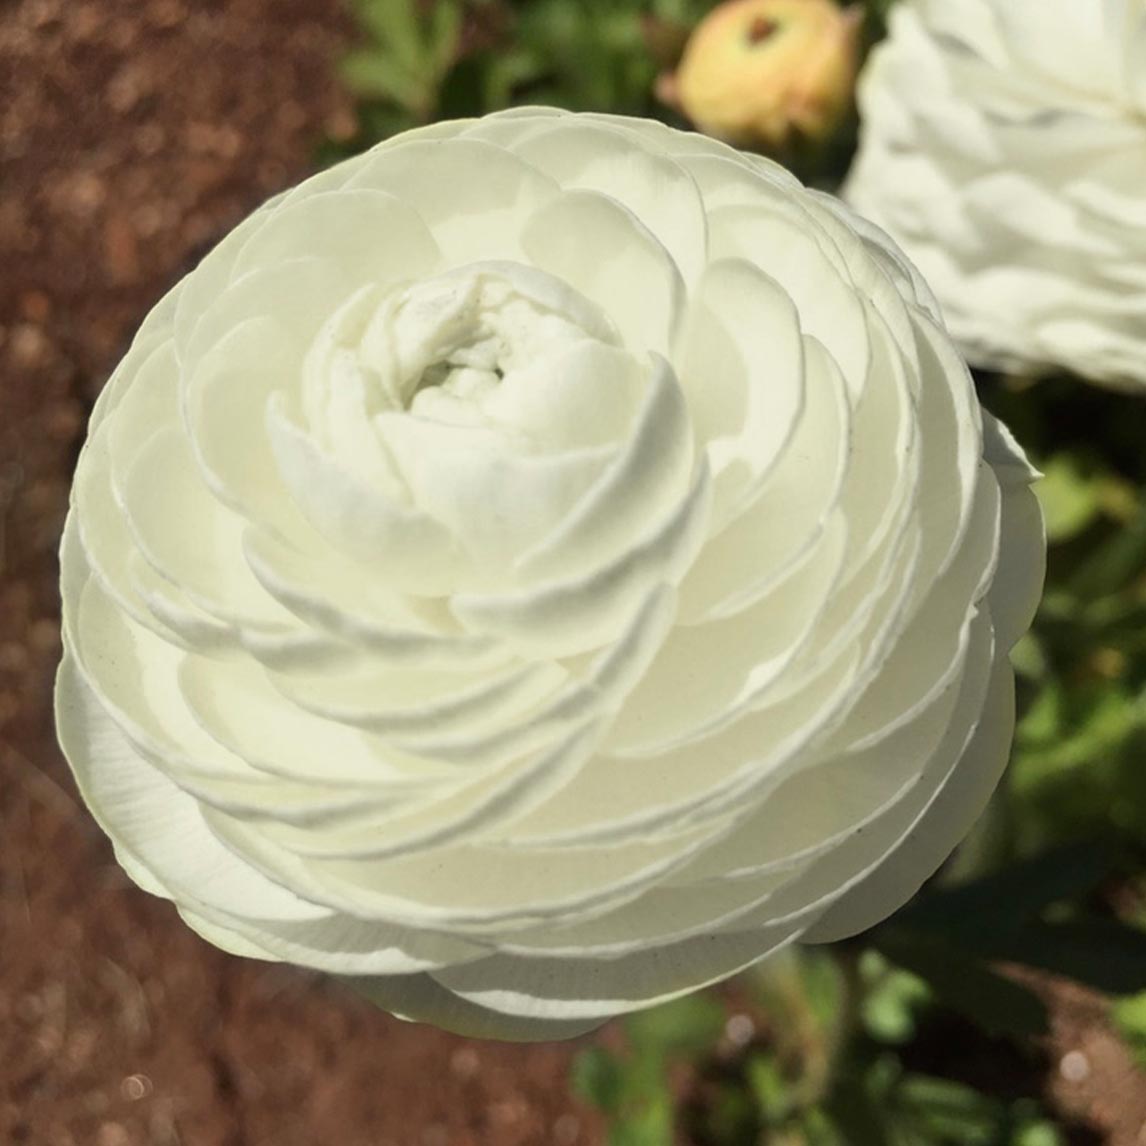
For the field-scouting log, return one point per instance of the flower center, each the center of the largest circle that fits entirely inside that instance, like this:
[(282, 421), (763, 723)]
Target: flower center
[(465, 334), (456, 338)]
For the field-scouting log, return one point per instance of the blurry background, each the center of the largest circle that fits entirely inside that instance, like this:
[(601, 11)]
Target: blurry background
[(1004, 1008)]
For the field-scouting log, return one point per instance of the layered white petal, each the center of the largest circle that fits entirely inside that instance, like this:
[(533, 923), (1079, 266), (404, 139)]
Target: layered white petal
[(1004, 147)]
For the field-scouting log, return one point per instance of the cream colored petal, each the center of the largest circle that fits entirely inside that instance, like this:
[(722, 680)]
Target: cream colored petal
[(156, 329), (239, 708), (437, 702), (199, 291), (97, 535), (611, 257), (662, 916), (152, 819), (845, 788), (586, 394), (791, 508), (495, 500), (470, 219), (371, 236), (944, 822), (1017, 588), (742, 370), (469, 890), (299, 294), (346, 600), (225, 402), (646, 478), (418, 998), (561, 618), (192, 539), (827, 307), (658, 191), (599, 690), (411, 550), (610, 799), (593, 989), (706, 675), (338, 944)]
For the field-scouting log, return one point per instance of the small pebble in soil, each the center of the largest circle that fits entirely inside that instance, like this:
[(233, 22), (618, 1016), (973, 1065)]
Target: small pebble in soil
[(112, 1134), (135, 1087), (567, 1130), (464, 1062), (1074, 1066), (739, 1030)]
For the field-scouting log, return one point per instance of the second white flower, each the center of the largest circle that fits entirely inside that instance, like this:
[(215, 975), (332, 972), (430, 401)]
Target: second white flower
[(1004, 147)]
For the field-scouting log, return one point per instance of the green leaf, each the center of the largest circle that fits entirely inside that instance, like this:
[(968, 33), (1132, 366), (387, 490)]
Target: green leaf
[(445, 34), (950, 1111), (1069, 497), (1102, 953), (1112, 565), (462, 91), (818, 1129), (1029, 657), (997, 918), (1040, 1133), (506, 72), (1101, 714), (1045, 718), (858, 1103), (1129, 1016), (1084, 780), (597, 1077), (893, 997), (1100, 722), (771, 1090), (982, 912), (649, 1125), (375, 76), (996, 1004), (731, 1115), (396, 25), (1118, 622), (691, 1024), (824, 986)]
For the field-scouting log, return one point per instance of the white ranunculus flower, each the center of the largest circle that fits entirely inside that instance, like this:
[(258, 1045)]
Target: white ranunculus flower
[(539, 567), (1004, 147)]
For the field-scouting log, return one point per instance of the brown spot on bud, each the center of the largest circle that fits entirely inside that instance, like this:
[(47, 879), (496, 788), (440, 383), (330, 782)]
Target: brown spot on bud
[(761, 29)]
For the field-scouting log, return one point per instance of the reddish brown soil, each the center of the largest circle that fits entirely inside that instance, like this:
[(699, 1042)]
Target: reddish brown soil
[(133, 133), (1094, 1080)]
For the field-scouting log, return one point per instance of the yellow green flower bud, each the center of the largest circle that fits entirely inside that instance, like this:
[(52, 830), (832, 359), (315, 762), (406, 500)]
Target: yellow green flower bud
[(756, 71)]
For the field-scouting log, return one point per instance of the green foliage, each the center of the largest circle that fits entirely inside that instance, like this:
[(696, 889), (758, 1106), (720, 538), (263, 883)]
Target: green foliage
[(1129, 1015), (415, 61), (966, 983), (598, 1078), (1076, 771), (420, 60), (892, 999), (1071, 498), (885, 1105), (410, 49), (632, 1088), (949, 937), (828, 1066), (678, 1028)]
